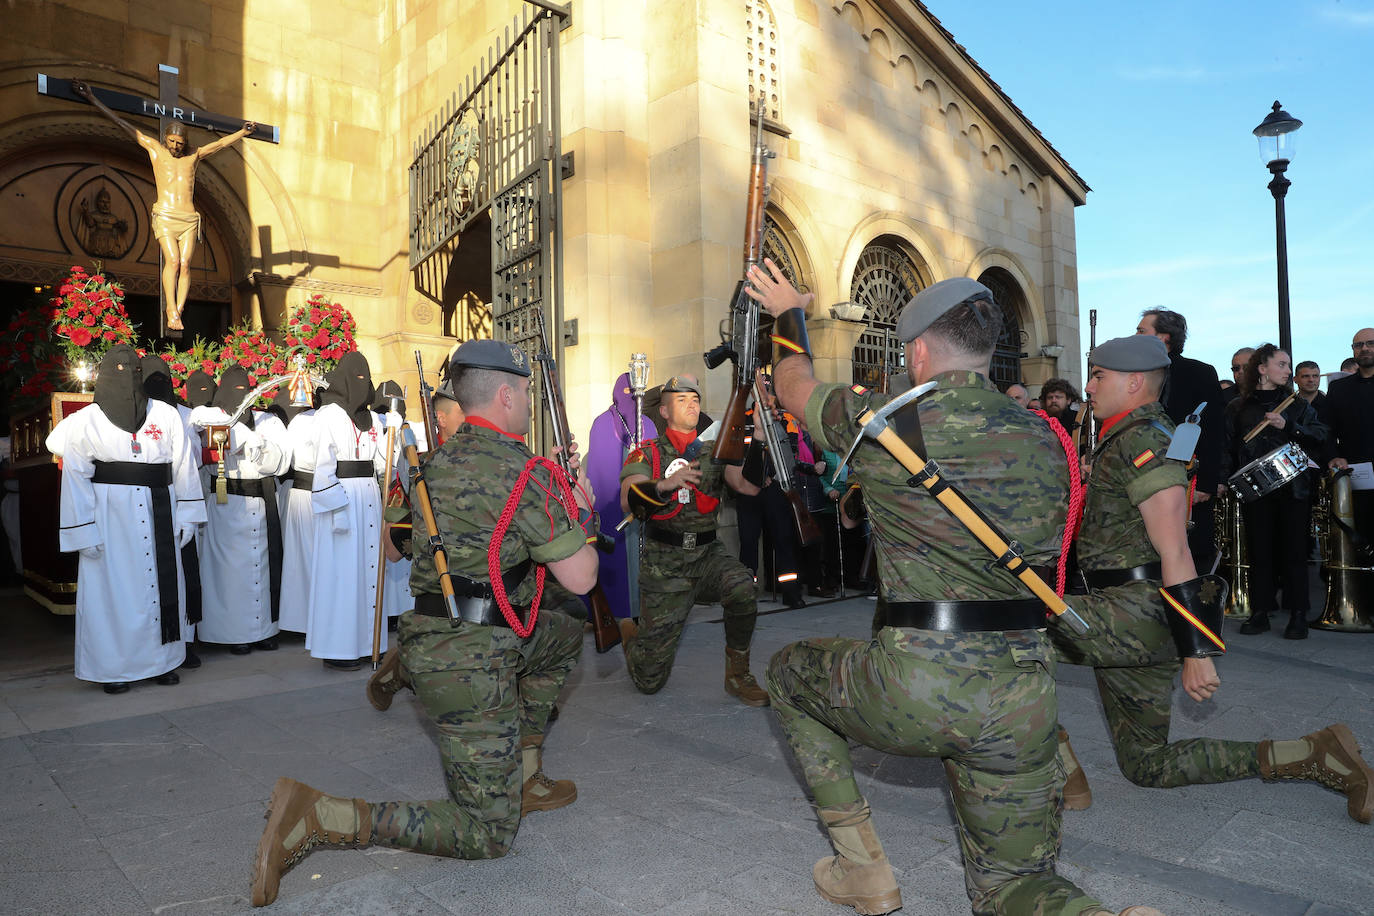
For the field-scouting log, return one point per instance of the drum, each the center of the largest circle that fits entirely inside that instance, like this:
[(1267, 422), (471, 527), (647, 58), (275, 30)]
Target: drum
[(1268, 473)]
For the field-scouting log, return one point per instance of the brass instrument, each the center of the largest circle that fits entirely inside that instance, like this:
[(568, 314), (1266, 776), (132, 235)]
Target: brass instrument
[(1349, 577), (1229, 537)]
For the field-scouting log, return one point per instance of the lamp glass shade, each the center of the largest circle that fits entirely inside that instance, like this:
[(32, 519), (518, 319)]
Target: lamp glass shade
[(1275, 135)]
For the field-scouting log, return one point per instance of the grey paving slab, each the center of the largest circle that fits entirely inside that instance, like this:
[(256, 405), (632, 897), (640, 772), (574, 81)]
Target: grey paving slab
[(14, 752), (95, 892)]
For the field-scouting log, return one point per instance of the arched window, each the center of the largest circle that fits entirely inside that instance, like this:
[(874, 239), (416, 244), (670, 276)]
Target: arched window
[(885, 278), (1006, 359), (761, 30), (778, 248)]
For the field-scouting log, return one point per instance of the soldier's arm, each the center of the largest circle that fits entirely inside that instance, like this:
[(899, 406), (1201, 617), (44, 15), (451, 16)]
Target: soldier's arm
[(793, 377), (1165, 515), (210, 149), (734, 477), (577, 573)]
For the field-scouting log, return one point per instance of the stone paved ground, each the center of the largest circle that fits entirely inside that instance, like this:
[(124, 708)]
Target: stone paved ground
[(152, 802)]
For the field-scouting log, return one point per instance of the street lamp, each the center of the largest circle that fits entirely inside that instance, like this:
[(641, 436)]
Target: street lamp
[(1275, 134)]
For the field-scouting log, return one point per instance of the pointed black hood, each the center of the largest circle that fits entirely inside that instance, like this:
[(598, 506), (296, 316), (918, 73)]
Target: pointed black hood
[(119, 388), (381, 402), (200, 389), (157, 380), (282, 407), (350, 386), (233, 387)]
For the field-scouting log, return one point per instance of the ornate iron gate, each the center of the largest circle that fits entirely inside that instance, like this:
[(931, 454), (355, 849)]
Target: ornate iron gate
[(885, 278), (497, 152)]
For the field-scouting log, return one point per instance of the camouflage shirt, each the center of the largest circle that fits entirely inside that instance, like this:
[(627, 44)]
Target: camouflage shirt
[(1128, 468), (470, 477), (690, 517), (1003, 458)]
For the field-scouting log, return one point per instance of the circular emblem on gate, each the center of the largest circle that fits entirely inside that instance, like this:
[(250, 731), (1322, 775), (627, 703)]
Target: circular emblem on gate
[(423, 312)]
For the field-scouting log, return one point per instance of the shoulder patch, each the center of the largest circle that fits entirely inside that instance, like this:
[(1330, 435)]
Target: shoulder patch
[(858, 389), (1143, 458)]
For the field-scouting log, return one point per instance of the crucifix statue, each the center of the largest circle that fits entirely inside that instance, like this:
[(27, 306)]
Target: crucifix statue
[(175, 222)]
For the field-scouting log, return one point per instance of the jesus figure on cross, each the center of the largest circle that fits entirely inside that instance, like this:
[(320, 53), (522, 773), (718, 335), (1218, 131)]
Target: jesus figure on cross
[(175, 222)]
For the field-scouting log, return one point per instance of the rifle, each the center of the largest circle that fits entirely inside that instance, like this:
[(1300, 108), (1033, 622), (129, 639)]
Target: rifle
[(393, 406), (742, 344), (420, 489), (773, 434), (426, 406), (1085, 413), (605, 629)]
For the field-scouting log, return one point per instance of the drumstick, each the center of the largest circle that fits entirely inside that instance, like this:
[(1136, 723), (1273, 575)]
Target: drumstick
[(1280, 409)]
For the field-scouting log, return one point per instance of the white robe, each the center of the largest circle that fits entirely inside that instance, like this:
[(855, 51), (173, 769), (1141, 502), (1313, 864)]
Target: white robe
[(118, 630), (344, 563), (297, 527), (188, 633), (235, 575)]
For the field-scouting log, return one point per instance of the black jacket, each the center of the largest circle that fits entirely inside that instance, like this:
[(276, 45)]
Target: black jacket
[(1190, 383), (1350, 412), (1302, 426)]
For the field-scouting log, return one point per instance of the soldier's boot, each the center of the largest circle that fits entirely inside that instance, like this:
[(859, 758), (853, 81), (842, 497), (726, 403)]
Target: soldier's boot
[(1258, 622), (739, 682), (387, 680), (540, 793), (628, 631), (859, 874), (1078, 795), (300, 819), (1330, 757)]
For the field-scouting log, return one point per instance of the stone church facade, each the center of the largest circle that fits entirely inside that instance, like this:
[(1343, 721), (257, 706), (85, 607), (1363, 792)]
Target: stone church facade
[(898, 162)]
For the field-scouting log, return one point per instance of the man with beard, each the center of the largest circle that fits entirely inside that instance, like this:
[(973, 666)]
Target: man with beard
[(1350, 412), (241, 564), (1058, 397), (129, 498), (297, 510), (350, 454)]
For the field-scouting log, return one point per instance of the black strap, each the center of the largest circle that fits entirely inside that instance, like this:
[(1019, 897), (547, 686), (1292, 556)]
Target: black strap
[(302, 480), (346, 469), (1110, 578), (190, 566), (265, 489), (157, 478), (968, 616), (681, 538), (472, 609)]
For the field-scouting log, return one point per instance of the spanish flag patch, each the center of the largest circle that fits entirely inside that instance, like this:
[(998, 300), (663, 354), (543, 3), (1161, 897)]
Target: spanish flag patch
[(858, 389), (1143, 458), (795, 348)]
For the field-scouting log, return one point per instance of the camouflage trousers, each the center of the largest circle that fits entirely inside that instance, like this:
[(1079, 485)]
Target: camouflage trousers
[(1135, 662), (982, 702), (671, 580), (484, 688)]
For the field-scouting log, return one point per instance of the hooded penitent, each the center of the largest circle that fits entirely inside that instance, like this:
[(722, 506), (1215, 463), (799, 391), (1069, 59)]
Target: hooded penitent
[(157, 380), (233, 388), (385, 392), (350, 386), (200, 389), (119, 389), (282, 406)]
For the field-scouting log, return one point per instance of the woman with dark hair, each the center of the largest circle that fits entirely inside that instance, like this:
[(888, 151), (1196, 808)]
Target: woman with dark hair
[(1276, 524)]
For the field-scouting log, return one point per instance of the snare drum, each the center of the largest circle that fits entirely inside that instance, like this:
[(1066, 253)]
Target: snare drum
[(1271, 472)]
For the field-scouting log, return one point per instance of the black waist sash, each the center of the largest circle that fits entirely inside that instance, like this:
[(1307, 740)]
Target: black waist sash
[(190, 567), (265, 488), (157, 478), (347, 469), (302, 480)]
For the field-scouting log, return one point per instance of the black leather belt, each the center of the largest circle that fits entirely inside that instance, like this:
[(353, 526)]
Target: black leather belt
[(688, 539), (157, 478), (346, 469), (968, 616), (472, 609), (302, 480), (1110, 578)]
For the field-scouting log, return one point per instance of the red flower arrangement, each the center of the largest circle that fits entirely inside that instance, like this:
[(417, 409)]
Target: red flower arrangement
[(32, 366), (322, 330), (88, 316), (254, 351), (203, 354)]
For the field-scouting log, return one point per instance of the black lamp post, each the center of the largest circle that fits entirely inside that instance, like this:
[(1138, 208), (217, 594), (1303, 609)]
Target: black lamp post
[(1275, 135)]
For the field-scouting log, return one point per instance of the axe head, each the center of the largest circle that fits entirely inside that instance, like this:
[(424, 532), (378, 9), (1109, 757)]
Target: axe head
[(875, 426)]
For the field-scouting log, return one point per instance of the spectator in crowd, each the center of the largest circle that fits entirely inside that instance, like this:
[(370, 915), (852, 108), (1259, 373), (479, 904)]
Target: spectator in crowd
[(1018, 393), (1238, 360), (1350, 407), (1308, 377), (1059, 397)]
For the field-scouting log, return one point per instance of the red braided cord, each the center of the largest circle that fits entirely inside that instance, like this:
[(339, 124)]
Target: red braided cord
[(498, 586), (1075, 518)]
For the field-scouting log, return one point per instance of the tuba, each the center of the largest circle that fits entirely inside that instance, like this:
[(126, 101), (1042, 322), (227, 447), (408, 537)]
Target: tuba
[(1349, 575), (1229, 538)]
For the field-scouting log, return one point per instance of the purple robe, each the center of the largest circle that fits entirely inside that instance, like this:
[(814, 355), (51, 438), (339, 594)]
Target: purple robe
[(609, 443)]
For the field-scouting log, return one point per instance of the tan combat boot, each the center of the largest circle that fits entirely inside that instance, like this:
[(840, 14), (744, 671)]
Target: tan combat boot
[(1078, 796), (540, 793), (859, 875), (1330, 757), (628, 631), (739, 682), (386, 681), (300, 818)]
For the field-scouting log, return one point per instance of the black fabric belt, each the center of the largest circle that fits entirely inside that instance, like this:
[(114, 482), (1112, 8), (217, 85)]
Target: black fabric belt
[(687, 539), (157, 478), (476, 603), (302, 480), (1110, 578), (190, 567), (347, 469), (265, 489), (968, 616)]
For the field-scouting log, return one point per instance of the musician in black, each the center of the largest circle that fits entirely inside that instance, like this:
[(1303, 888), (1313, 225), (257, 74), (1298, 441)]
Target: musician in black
[(1350, 409), (1276, 524)]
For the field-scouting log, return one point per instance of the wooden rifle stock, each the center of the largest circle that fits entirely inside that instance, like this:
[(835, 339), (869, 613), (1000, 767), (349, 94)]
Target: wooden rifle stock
[(436, 542), (808, 532), (729, 444)]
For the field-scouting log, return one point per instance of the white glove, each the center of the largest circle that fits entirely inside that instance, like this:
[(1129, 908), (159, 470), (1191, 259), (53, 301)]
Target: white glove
[(208, 416), (251, 444), (184, 535), (394, 420), (93, 552), (340, 520)]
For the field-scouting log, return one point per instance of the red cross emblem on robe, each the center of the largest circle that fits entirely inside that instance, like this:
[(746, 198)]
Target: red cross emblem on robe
[(153, 432)]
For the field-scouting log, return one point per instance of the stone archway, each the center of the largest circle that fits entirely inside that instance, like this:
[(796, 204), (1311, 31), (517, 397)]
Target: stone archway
[(1006, 359)]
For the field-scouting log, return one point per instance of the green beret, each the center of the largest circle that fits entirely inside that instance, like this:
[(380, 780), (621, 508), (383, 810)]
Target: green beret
[(682, 383), (1137, 353), (930, 303), (491, 354)]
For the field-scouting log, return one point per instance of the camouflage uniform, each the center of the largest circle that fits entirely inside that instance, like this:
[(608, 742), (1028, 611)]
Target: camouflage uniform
[(672, 579), (484, 687), (1129, 644), (984, 702)]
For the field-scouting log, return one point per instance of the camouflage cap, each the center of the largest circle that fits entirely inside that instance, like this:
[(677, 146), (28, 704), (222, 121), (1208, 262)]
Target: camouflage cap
[(682, 383), (925, 307), (491, 354), (1137, 353)]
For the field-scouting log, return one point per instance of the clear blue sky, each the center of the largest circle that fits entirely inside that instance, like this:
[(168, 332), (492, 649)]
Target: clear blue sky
[(1153, 104)]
